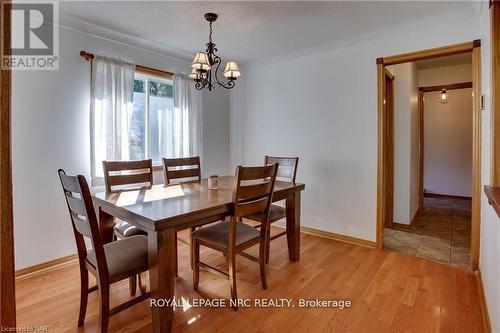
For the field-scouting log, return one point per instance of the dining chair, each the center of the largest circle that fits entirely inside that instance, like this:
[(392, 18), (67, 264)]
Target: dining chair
[(109, 263), (177, 171), (253, 190), (127, 175), (287, 171)]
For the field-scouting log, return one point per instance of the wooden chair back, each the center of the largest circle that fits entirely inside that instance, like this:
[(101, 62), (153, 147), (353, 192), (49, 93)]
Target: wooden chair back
[(253, 190), (287, 170), (83, 219), (121, 173), (181, 169)]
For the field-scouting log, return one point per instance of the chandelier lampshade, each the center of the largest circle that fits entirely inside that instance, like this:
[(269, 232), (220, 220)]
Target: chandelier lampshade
[(195, 75), (200, 62), (232, 71)]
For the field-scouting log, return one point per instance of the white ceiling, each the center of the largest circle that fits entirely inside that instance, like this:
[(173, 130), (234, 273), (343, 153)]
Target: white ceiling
[(255, 31)]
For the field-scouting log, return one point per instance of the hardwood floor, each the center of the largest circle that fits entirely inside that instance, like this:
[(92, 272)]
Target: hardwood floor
[(390, 292)]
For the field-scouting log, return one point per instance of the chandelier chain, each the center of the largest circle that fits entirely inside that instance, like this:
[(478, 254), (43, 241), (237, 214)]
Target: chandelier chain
[(210, 35)]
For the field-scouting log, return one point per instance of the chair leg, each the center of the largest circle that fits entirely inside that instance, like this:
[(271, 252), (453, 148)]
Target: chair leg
[(142, 284), (231, 259), (104, 307), (262, 265), (176, 268), (268, 244), (84, 295), (195, 250), (132, 285), (191, 253)]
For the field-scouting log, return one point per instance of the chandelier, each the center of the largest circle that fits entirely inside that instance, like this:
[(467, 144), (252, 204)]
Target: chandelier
[(205, 65)]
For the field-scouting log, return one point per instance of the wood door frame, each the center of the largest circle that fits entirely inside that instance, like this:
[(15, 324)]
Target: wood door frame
[(7, 275), (495, 92), (473, 47), (421, 92), (389, 152)]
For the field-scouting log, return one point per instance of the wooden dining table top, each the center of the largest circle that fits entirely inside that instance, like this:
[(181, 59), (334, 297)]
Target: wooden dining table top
[(162, 206)]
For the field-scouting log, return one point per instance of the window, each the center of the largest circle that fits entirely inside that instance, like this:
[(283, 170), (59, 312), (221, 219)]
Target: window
[(153, 119), (134, 117)]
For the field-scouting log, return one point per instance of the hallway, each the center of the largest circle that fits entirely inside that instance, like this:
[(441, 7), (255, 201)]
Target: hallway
[(441, 232)]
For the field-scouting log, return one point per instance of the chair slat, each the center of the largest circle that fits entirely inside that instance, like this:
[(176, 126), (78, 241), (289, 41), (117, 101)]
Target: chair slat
[(70, 183), (184, 173), (252, 191), (128, 179), (249, 208), (192, 168), (255, 173), (81, 225), (127, 165), (287, 169), (183, 161), (142, 173), (76, 205)]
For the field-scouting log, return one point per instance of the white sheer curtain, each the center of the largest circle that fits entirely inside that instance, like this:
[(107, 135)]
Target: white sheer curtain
[(111, 108), (185, 139)]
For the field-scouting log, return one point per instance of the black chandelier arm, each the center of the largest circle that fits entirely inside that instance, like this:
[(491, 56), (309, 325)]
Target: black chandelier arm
[(230, 84), (199, 85)]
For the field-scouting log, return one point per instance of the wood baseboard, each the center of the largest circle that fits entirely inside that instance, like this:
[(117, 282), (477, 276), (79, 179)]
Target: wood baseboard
[(45, 266), (445, 196), (338, 237), (405, 227), (484, 306)]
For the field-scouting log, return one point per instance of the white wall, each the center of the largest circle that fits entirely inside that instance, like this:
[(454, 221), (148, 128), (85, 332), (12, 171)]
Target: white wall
[(445, 75), (448, 143), (490, 223), (323, 108), (406, 142), (50, 130), (216, 133)]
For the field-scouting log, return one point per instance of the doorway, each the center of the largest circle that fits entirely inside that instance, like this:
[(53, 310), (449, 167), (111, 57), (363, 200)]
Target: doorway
[(386, 173)]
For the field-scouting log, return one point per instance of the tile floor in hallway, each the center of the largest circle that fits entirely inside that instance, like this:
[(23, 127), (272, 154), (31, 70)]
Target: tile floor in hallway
[(441, 232)]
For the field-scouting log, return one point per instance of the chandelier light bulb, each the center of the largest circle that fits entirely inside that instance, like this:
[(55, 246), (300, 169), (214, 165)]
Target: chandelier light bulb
[(444, 97)]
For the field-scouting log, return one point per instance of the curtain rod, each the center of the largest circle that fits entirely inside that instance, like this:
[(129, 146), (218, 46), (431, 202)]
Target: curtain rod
[(89, 57)]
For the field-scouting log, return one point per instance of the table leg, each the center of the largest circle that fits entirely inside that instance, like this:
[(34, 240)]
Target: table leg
[(106, 224), (293, 225), (161, 248)]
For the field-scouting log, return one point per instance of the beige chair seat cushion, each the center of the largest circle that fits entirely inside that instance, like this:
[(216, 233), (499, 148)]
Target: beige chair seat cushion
[(125, 229), (218, 234), (125, 255), (275, 213)]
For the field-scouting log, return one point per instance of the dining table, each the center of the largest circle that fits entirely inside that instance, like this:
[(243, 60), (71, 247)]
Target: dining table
[(163, 210)]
